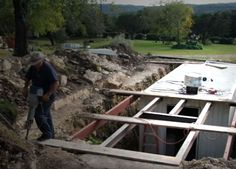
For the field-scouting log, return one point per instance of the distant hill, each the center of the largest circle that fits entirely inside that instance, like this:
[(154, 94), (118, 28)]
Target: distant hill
[(212, 8), (118, 9), (198, 9)]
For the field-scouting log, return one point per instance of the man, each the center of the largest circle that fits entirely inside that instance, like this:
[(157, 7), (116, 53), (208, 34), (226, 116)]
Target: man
[(42, 75)]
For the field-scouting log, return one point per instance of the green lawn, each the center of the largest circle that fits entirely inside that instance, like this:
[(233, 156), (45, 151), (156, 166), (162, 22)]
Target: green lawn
[(145, 47)]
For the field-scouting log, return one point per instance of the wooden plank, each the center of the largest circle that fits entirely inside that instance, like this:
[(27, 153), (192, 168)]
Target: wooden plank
[(178, 107), (174, 95), (188, 143), (172, 62), (123, 130), (167, 117), (170, 124), (230, 140), (176, 58), (116, 110), (124, 154)]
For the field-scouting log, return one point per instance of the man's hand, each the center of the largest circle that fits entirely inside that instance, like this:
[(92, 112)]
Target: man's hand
[(25, 91), (45, 98)]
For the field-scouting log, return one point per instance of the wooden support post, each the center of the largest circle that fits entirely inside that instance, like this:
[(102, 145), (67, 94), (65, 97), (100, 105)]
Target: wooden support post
[(122, 131), (186, 146), (178, 107), (230, 140), (118, 109)]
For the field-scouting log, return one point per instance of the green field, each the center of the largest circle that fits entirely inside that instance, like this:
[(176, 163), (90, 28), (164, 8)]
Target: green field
[(144, 46), (147, 47)]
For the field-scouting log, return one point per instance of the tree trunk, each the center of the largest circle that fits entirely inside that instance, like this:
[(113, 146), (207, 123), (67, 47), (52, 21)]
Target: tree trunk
[(21, 44), (50, 37)]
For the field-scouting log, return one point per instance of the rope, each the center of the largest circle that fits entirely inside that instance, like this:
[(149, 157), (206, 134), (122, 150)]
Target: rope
[(185, 132)]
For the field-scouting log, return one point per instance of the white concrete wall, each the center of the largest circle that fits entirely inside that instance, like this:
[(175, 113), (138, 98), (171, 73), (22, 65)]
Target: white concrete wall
[(208, 144)]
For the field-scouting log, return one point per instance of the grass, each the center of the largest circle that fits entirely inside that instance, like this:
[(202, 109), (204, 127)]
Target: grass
[(4, 53), (209, 52), (144, 46)]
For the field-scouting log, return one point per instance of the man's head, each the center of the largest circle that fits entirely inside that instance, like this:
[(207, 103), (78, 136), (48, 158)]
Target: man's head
[(37, 59)]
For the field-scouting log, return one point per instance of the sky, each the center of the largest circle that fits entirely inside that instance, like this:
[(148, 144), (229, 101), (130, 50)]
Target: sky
[(157, 2)]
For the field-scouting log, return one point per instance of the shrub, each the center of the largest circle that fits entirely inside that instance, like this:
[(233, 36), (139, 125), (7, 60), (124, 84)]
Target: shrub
[(227, 40), (221, 40), (187, 46), (152, 37), (61, 36), (8, 110), (207, 42), (120, 40), (140, 36)]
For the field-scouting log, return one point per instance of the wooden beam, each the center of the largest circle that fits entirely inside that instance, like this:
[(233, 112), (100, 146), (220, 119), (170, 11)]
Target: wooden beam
[(167, 62), (124, 154), (186, 146), (178, 107), (118, 109), (123, 130), (198, 97), (168, 117), (170, 124), (230, 140)]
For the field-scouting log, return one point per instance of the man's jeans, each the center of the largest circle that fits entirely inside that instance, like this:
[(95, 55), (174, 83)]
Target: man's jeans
[(43, 119)]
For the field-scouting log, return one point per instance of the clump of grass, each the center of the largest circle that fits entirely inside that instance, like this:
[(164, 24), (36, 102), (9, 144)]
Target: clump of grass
[(120, 40), (8, 110)]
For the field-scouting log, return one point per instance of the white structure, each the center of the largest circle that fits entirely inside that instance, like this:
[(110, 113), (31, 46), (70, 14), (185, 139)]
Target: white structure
[(219, 88)]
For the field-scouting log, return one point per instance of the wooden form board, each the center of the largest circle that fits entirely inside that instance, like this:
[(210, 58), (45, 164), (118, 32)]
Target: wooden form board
[(170, 124), (230, 140), (97, 149), (123, 130), (90, 128), (173, 95), (178, 107), (168, 117), (186, 146)]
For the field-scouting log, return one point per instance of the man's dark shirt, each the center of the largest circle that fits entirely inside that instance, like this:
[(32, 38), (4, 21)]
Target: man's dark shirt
[(44, 77)]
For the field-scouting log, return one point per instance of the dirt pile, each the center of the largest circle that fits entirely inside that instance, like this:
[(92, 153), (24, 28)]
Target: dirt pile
[(209, 163), (82, 77)]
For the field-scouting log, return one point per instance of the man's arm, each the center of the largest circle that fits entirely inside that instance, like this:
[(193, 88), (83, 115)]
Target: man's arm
[(25, 89), (53, 87)]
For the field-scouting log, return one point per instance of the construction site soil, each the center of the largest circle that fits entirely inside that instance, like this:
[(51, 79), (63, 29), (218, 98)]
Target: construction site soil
[(83, 78)]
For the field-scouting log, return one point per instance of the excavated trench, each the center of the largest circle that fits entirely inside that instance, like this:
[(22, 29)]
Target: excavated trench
[(130, 141)]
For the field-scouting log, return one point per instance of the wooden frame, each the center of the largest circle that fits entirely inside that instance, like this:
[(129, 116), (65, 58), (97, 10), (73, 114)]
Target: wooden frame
[(118, 109), (230, 140), (122, 131), (97, 149), (131, 122), (186, 146), (172, 95)]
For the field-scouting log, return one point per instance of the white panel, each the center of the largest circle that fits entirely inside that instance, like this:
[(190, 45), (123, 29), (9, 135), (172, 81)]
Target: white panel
[(213, 144)]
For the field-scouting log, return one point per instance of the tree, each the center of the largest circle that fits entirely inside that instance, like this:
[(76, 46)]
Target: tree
[(40, 17), (92, 18), (131, 23), (6, 18), (45, 17), (20, 11), (71, 12), (176, 20)]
